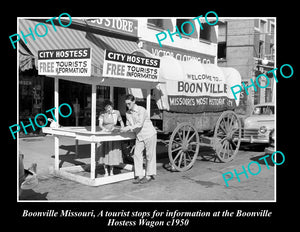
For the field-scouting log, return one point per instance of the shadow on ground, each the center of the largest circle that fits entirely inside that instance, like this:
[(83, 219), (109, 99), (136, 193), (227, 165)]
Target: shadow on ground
[(262, 161), (32, 195)]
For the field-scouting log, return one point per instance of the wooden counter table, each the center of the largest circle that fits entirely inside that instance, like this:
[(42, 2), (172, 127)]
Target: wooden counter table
[(85, 134)]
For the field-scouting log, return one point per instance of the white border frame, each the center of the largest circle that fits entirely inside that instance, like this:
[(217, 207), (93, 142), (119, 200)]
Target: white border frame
[(212, 201)]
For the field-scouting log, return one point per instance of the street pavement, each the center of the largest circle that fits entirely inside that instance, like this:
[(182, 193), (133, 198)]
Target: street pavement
[(203, 182)]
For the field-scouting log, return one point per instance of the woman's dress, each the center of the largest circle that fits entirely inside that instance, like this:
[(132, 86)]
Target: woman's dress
[(110, 152)]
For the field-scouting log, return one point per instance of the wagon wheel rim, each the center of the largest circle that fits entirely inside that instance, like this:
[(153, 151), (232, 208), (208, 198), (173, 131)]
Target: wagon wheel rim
[(183, 147), (227, 136)]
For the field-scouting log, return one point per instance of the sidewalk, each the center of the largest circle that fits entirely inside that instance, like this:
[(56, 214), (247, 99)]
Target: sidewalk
[(40, 150)]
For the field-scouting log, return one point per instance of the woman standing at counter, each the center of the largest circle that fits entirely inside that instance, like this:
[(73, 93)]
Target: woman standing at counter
[(110, 152)]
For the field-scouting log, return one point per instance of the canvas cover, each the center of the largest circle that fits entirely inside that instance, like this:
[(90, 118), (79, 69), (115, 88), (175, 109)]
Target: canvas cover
[(193, 87)]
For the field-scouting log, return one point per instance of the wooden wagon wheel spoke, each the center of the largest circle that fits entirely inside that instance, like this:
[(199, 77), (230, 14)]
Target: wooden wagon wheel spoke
[(222, 140), (230, 119), (221, 134), (180, 159), (222, 127), (230, 148), (176, 149), (185, 140), (183, 132), (188, 133), (176, 144), (184, 158), (234, 130), (228, 124), (189, 156), (179, 143), (177, 155), (227, 149), (232, 123), (234, 143), (191, 137), (234, 119), (223, 149), (180, 136)]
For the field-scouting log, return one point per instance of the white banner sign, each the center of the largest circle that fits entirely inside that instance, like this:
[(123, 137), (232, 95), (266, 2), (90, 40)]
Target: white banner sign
[(128, 66), (194, 87), (65, 62)]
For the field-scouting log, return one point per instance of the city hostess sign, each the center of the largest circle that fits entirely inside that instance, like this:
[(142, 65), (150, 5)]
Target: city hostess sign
[(65, 62), (128, 66)]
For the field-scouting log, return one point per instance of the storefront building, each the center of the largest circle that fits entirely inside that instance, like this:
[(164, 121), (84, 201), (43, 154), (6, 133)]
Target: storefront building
[(36, 91), (248, 44), (201, 45)]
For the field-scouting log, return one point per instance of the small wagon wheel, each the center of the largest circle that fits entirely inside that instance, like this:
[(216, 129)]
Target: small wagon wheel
[(183, 146), (227, 136)]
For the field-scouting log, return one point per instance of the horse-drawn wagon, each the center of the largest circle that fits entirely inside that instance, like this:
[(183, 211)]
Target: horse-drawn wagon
[(196, 107)]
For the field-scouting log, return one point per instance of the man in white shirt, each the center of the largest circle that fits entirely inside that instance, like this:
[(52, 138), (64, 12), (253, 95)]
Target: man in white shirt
[(139, 121)]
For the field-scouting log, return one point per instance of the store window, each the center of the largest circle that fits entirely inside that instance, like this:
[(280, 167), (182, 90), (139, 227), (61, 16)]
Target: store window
[(261, 52), (272, 28), (186, 28), (256, 23), (119, 101), (272, 52), (272, 47), (205, 32), (79, 96), (222, 50), (257, 97), (222, 40), (268, 95), (31, 96), (103, 94), (25, 96), (263, 26), (156, 22), (160, 24)]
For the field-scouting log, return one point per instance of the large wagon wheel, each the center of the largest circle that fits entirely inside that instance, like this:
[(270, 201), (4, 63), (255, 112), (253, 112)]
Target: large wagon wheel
[(183, 146), (227, 136)]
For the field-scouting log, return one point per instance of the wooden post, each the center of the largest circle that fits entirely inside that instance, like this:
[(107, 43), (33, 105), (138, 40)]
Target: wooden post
[(77, 112), (56, 138), (111, 94), (93, 129), (76, 148), (76, 124), (148, 105)]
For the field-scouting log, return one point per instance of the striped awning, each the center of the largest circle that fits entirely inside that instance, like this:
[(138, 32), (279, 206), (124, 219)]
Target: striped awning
[(68, 38)]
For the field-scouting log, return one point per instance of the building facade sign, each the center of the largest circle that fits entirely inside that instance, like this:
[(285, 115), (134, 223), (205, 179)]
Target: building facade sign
[(121, 26), (177, 53)]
